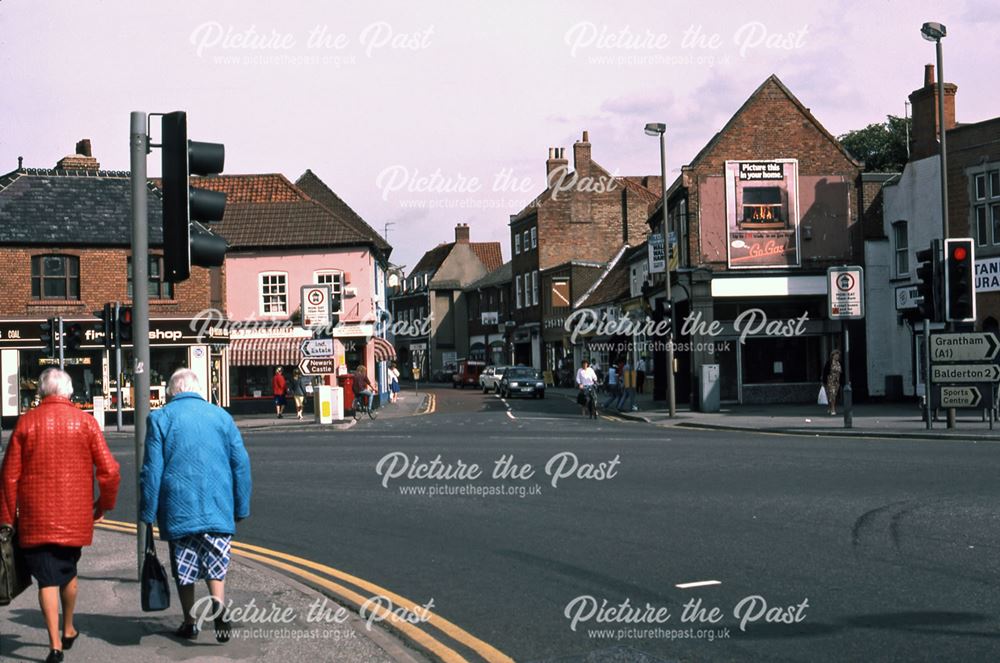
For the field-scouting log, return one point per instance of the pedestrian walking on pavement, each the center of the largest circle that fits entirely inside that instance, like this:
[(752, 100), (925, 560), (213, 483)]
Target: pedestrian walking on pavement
[(626, 403), (47, 494), (613, 391), (297, 385), (278, 388), (640, 374), (195, 482), (393, 382), (831, 380)]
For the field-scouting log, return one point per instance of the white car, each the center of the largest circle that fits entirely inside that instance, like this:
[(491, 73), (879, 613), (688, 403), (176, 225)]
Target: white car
[(489, 379)]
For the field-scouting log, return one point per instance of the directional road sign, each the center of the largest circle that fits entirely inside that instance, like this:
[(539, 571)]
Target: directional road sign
[(965, 373), (317, 347), (973, 346), (968, 396), (317, 365)]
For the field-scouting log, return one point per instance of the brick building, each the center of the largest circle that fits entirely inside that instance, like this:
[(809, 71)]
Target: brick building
[(488, 305), (65, 236), (432, 300), (762, 210), (584, 215)]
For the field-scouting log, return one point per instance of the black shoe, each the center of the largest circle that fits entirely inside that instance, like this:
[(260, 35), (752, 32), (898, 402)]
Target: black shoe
[(187, 631), (68, 641), (55, 656), (223, 627)]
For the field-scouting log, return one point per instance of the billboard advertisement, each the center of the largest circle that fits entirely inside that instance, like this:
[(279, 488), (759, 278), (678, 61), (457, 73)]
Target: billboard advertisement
[(762, 213)]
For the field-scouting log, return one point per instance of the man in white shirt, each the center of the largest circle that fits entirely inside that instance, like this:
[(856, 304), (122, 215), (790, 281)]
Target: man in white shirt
[(640, 374), (613, 392), (585, 377)]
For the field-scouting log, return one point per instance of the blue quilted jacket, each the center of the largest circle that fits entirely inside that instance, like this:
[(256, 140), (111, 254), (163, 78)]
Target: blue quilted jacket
[(196, 473)]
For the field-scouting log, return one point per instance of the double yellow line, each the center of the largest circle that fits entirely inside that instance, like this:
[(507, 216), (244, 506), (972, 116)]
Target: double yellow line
[(324, 576), (430, 406)]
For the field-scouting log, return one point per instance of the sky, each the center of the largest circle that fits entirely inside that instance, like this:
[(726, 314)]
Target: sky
[(423, 115)]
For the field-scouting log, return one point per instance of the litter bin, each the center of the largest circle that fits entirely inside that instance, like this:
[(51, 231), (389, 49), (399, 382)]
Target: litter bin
[(346, 382)]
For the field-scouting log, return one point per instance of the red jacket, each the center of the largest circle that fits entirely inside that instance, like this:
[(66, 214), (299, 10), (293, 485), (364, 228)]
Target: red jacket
[(47, 475), (278, 385)]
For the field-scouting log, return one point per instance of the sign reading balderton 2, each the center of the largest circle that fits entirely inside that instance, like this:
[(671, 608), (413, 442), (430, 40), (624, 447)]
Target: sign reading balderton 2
[(762, 213)]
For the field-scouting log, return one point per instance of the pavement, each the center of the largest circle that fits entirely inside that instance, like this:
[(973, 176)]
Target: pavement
[(884, 420), (113, 628)]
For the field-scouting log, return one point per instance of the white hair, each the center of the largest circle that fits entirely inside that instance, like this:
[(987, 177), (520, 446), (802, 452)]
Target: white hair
[(183, 379), (55, 382)]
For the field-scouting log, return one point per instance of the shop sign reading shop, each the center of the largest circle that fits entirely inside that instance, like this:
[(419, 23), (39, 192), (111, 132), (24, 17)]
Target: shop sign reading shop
[(762, 213)]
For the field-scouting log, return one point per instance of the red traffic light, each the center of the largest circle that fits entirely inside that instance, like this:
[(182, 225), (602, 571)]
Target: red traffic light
[(960, 253)]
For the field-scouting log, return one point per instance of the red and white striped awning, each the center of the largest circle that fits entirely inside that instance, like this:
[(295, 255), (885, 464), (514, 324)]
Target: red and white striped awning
[(265, 351), (383, 349)]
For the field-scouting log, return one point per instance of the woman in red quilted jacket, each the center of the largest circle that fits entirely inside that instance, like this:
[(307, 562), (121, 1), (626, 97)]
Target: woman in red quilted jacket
[(47, 491)]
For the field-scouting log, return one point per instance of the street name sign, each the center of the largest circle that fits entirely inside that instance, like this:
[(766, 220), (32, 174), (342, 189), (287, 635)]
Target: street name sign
[(973, 346), (317, 347), (316, 307), (965, 373), (965, 396), (845, 293), (317, 365)]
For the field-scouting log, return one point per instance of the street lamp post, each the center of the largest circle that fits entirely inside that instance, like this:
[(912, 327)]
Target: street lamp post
[(660, 129), (935, 32)]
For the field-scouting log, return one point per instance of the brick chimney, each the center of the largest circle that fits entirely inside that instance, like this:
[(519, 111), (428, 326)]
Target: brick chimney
[(924, 107), (581, 156), (556, 160), (462, 233), (82, 159)]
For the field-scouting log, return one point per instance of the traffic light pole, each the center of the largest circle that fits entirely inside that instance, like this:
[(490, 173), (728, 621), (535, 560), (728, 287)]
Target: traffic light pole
[(927, 374), (62, 354), (138, 143), (118, 365)]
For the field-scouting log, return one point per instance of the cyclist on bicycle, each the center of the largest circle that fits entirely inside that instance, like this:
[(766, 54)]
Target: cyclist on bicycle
[(363, 386), (586, 378)]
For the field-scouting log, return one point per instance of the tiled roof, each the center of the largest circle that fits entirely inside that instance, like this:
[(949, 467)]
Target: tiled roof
[(72, 207), (499, 276), (489, 253), (613, 286), (317, 189), (432, 259), (285, 224), (267, 188), (631, 182)]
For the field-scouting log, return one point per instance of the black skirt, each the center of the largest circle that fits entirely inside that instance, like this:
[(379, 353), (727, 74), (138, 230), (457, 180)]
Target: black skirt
[(52, 565)]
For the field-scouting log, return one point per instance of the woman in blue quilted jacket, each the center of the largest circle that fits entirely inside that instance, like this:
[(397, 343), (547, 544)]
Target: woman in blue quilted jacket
[(195, 484)]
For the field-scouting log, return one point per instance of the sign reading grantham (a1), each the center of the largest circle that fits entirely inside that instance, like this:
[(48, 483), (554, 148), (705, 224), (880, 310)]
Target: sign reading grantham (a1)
[(964, 373), (972, 346)]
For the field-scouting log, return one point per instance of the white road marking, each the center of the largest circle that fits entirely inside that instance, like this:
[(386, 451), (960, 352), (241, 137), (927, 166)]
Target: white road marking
[(511, 415), (700, 583)]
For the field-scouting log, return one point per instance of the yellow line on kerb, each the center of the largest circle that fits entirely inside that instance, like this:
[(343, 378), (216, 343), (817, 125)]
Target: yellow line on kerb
[(487, 651)]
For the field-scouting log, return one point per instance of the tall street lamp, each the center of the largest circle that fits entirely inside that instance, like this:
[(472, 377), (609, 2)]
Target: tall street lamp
[(660, 129), (935, 32)]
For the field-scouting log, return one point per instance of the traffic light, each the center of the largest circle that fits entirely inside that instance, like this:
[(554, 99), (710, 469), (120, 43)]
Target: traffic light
[(185, 241), (928, 275), (959, 280), (50, 329), (123, 325), (74, 336), (107, 317)]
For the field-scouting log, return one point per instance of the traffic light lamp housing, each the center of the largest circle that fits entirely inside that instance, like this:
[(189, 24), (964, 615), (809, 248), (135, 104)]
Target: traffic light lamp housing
[(123, 325), (107, 318), (74, 336), (928, 276), (960, 280), (186, 243), (50, 328)]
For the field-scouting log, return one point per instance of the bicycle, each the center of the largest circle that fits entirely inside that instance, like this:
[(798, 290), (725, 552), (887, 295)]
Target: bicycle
[(590, 402), (363, 405)]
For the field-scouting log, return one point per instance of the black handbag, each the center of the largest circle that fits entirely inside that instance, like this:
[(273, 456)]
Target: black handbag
[(581, 398), (155, 588), (14, 576)]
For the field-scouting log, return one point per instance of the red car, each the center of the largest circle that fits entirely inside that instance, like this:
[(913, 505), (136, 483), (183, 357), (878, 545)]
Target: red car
[(467, 374)]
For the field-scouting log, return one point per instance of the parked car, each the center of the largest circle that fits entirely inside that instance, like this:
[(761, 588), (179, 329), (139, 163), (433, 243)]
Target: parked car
[(489, 380), (522, 381), (467, 373)]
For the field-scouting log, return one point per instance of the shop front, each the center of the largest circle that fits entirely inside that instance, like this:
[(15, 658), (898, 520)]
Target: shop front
[(95, 370)]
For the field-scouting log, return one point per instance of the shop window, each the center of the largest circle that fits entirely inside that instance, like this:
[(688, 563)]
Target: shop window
[(901, 245), (274, 293), (55, 277), (782, 360), (158, 288)]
